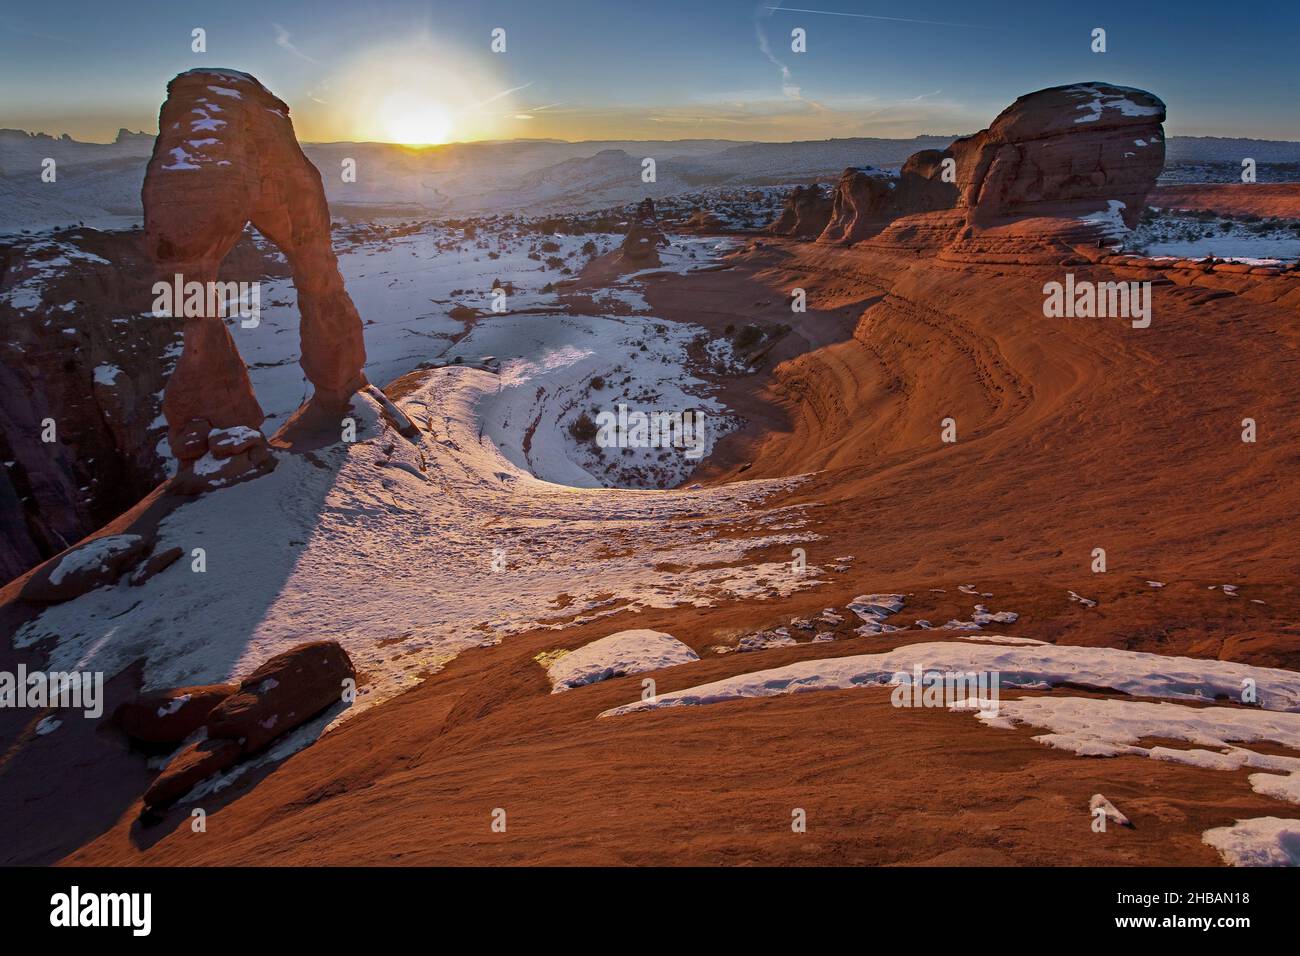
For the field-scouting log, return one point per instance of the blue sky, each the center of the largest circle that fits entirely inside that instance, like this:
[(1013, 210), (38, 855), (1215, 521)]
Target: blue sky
[(619, 69)]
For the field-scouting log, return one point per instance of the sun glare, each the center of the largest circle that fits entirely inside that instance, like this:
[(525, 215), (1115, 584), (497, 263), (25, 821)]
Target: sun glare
[(413, 121)]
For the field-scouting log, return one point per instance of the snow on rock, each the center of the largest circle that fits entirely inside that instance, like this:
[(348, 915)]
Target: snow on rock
[(762, 640), (94, 555), (1094, 727), (1038, 666), (1262, 841), (1079, 599), (873, 609), (627, 652), (996, 638), (106, 374)]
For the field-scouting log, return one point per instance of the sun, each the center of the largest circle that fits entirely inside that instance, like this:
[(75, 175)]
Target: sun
[(413, 120)]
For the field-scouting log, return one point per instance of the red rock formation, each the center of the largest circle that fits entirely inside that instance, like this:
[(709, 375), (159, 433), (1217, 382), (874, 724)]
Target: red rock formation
[(283, 693), (1060, 167), (862, 205), (168, 717), (1066, 151), (226, 155), (643, 239), (195, 763), (806, 212)]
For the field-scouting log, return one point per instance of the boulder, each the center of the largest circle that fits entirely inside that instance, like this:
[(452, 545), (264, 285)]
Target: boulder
[(156, 563), (169, 716), (285, 692), (91, 564), (195, 763)]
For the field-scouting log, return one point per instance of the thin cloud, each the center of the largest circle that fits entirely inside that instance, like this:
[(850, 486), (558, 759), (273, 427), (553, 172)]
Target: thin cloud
[(32, 33), (869, 16), (787, 79), (496, 96), (282, 40)]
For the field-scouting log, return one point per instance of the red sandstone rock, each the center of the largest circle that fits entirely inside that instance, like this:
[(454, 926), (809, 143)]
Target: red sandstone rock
[(226, 155), (1064, 151), (91, 564), (155, 564), (862, 205), (806, 212), (643, 239), (195, 763), (283, 693), (1062, 167), (169, 716)]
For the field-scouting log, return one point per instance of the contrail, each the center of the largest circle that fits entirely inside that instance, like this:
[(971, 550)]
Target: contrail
[(283, 41), (868, 16), (496, 96)]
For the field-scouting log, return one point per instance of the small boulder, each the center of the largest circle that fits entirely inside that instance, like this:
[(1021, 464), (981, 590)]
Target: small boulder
[(196, 762), (155, 563), (92, 564), (285, 692)]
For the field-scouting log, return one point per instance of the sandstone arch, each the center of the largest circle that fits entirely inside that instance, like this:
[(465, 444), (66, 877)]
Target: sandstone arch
[(226, 155)]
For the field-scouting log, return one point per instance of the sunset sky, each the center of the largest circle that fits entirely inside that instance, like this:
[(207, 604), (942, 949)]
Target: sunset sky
[(424, 71)]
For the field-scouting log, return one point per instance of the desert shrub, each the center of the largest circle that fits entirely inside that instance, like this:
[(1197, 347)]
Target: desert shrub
[(748, 337), (583, 428), (597, 382)]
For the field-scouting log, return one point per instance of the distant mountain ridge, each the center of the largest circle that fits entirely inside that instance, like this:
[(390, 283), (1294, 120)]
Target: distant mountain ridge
[(99, 183)]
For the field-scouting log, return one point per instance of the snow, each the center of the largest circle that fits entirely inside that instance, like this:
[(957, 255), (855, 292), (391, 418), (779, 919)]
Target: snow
[(627, 652), (1038, 666), (180, 160), (92, 555), (174, 705), (1168, 234), (1110, 219), (1263, 841), (399, 568), (405, 286), (1111, 728), (1100, 102), (106, 374)]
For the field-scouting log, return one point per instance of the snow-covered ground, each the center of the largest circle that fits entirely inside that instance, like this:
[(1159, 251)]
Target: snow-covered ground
[(1183, 235), (408, 554)]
